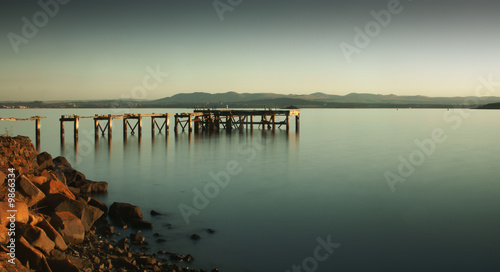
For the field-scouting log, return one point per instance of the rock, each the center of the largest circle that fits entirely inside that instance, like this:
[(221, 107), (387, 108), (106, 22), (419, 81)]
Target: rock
[(161, 240), (69, 226), (94, 187), (107, 230), (53, 234), (125, 210), (4, 235), (188, 258), (58, 261), (98, 204), (86, 213), (154, 213), (6, 266), (55, 186), (44, 161), (28, 192), (146, 260), (36, 237), (211, 231), (38, 180), (140, 224), (82, 264), (137, 238), (73, 177), (28, 254), (21, 216), (62, 162), (195, 237), (123, 263)]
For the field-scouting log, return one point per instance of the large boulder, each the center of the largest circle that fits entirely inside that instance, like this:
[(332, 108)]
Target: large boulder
[(44, 161), (121, 213), (53, 234), (28, 192), (26, 253), (62, 162), (21, 215), (4, 235), (88, 214), (69, 226), (73, 177)]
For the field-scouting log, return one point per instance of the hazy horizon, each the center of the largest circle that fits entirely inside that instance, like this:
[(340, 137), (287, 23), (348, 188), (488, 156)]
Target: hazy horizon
[(96, 50)]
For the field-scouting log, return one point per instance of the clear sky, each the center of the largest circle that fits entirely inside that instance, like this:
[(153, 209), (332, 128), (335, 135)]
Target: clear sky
[(101, 49)]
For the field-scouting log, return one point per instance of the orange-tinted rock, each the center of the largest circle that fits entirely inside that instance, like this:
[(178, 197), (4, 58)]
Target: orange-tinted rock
[(54, 186), (26, 253), (69, 226), (86, 213), (53, 234), (36, 237), (22, 214), (28, 192), (38, 180)]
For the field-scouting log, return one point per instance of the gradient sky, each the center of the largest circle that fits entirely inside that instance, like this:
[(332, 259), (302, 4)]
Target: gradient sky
[(100, 49)]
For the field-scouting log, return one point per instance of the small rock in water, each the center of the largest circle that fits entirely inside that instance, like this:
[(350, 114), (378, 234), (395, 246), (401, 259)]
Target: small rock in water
[(195, 237), (161, 240), (136, 238), (153, 213), (212, 231), (156, 234)]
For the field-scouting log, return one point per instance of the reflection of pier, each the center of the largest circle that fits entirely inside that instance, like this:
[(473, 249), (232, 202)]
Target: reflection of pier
[(37, 126)]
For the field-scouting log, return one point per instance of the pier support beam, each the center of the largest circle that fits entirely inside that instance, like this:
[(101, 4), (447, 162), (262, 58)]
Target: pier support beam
[(37, 133), (297, 123), (75, 129), (110, 126), (62, 129)]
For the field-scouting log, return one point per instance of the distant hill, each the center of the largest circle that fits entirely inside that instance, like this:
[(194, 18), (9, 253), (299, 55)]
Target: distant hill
[(271, 100), (491, 106)]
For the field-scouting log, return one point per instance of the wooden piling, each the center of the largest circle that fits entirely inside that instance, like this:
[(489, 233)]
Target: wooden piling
[(37, 133), (62, 128), (110, 126), (75, 129), (139, 120)]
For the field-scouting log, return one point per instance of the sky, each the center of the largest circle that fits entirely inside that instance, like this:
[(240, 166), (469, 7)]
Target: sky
[(149, 49)]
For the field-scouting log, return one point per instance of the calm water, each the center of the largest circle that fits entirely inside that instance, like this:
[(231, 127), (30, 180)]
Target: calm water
[(291, 189)]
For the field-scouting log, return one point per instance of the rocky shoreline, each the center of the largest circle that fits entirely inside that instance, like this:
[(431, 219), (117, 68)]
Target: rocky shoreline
[(50, 222)]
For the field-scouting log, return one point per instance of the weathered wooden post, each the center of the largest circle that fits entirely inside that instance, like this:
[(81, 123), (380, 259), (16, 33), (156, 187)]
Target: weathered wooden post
[(176, 125), (96, 128), (37, 133), (140, 125), (273, 119), (190, 123), (167, 123), (125, 127), (297, 120), (153, 123), (76, 128), (110, 126), (251, 122), (287, 122), (62, 128)]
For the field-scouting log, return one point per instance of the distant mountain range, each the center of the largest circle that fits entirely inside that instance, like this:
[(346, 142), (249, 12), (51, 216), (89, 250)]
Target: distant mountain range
[(261, 100)]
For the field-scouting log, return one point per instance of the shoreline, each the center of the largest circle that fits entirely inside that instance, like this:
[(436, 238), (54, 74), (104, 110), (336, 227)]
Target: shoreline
[(54, 224)]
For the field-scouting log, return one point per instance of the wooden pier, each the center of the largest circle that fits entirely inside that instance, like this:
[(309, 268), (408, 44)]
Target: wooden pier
[(37, 126), (104, 123), (215, 120)]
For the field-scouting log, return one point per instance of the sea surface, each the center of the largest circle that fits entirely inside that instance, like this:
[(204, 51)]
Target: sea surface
[(352, 190)]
